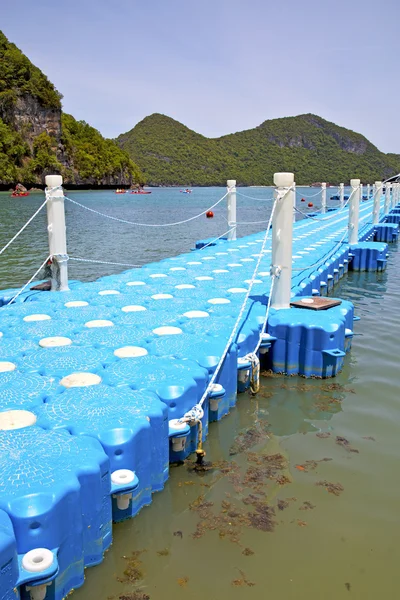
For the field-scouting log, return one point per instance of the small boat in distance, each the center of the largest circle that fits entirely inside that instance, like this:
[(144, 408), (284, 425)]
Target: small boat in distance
[(18, 194), (140, 192), (118, 191), (187, 191)]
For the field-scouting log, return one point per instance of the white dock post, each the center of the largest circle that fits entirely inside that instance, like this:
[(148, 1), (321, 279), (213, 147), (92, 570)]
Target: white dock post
[(354, 211), (323, 198), (57, 233), (361, 192), (388, 187), (282, 240), (377, 201), (294, 202), (231, 203), (341, 194), (395, 196), (368, 191)]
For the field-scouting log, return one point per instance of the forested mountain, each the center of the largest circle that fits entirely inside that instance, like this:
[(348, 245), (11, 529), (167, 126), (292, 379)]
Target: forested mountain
[(169, 153), (36, 138)]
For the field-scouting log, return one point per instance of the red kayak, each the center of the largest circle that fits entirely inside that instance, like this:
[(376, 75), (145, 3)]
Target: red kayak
[(120, 192), (19, 194), (140, 192)]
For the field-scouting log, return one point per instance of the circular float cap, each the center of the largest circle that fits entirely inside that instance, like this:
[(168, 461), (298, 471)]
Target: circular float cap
[(53, 342), (177, 269), (133, 308), (162, 296), (219, 301), (196, 314), (307, 301), (220, 271), (130, 352), (39, 559), (168, 330), (5, 365), (99, 323), (204, 278), (122, 476), (194, 262), (216, 387), (37, 317), (185, 286), (75, 303), (237, 290), (283, 179), (109, 292), (157, 275), (136, 283), (16, 419), (80, 380)]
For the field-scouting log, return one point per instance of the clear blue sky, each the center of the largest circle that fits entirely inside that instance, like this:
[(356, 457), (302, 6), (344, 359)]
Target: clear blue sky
[(218, 66)]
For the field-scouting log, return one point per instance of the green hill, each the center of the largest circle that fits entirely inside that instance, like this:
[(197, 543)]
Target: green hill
[(314, 149), (36, 138)]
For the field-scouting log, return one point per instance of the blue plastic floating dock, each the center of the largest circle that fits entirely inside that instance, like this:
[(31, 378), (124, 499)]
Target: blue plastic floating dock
[(94, 380)]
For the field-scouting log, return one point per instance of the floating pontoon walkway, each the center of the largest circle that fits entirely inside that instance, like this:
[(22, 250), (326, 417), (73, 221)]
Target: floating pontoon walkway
[(93, 381)]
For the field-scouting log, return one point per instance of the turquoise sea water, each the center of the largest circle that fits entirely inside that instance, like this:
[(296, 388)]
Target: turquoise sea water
[(97, 238), (301, 499)]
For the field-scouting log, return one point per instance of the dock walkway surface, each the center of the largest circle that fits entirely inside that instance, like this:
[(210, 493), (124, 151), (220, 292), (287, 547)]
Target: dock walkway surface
[(100, 370)]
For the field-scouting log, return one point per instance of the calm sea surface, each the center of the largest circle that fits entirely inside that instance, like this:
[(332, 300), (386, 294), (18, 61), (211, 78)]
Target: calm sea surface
[(301, 499)]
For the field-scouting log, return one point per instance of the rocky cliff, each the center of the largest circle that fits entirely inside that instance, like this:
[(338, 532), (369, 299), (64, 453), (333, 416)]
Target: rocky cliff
[(37, 138)]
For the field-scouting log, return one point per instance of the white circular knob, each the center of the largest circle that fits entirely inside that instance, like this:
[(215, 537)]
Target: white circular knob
[(37, 560), (122, 476)]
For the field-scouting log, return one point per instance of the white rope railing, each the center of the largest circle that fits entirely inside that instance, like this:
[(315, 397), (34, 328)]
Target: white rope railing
[(194, 414), (126, 222), (103, 262), (325, 257), (218, 238), (24, 227), (30, 280), (308, 196), (253, 197), (334, 213)]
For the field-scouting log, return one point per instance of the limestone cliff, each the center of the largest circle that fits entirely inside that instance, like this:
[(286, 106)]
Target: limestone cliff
[(37, 138)]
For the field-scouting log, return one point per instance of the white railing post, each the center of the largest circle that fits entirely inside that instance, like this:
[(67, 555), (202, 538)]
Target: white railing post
[(57, 233), (388, 187), (231, 204), (341, 194), (377, 202), (368, 191), (394, 192), (395, 197), (282, 240), (323, 198), (294, 202), (354, 211), (361, 192)]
